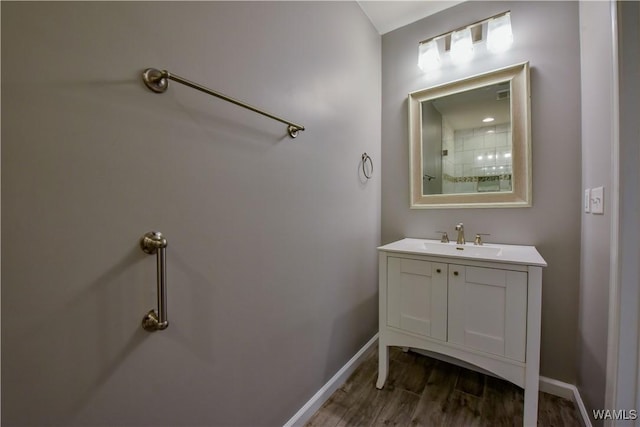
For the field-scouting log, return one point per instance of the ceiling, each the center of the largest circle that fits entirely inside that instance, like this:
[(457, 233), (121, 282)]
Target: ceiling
[(389, 15)]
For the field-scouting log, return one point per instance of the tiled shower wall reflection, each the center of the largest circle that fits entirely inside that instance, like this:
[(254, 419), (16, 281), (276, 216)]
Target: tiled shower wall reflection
[(476, 160)]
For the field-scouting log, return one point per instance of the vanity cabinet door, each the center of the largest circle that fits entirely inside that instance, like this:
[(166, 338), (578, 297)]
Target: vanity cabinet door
[(417, 296), (488, 310)]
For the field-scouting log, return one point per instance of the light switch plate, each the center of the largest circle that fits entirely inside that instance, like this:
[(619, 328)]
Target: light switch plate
[(587, 200), (597, 200)]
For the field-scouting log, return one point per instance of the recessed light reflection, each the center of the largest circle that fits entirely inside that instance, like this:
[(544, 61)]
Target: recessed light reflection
[(496, 156)]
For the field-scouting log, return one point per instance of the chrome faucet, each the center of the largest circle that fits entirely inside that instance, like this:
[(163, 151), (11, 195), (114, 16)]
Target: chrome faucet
[(460, 230)]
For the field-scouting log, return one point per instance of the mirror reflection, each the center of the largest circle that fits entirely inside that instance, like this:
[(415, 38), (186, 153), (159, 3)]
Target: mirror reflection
[(467, 141)]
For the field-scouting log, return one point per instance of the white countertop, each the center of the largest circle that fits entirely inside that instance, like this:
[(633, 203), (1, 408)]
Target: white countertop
[(511, 254)]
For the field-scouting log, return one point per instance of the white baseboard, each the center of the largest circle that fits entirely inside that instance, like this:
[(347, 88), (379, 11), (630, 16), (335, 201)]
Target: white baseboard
[(547, 385), (567, 391), (318, 399)]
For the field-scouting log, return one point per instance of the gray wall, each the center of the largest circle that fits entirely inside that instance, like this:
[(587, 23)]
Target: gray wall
[(272, 268), (547, 35), (597, 91)]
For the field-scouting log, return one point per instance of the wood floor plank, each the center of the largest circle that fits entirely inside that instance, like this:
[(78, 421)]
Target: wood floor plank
[(503, 403), (463, 409), (331, 412), (346, 397), (413, 377), (470, 382), (362, 375), (366, 401), (433, 404), (555, 411), (398, 409), (368, 406), (398, 354), (450, 396)]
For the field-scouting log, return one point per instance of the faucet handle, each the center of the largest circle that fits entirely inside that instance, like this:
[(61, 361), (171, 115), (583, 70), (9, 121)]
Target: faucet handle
[(478, 240), (444, 238)]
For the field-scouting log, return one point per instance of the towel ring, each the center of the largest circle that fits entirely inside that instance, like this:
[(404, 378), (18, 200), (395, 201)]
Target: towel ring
[(366, 157)]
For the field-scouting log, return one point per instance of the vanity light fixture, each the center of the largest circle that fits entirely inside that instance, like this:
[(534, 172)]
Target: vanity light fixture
[(428, 56), (459, 42), (499, 34), (461, 46)]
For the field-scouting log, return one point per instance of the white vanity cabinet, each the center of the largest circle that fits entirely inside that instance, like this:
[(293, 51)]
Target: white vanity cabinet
[(478, 304)]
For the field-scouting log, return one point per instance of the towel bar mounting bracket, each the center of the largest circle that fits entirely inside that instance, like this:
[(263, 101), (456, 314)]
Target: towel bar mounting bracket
[(155, 80)]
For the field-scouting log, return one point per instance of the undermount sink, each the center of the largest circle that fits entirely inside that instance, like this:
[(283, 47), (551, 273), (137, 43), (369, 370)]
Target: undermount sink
[(467, 249), (511, 254)]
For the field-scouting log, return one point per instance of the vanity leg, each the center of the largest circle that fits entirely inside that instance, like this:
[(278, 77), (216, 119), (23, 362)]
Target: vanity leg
[(383, 364), (532, 370), (530, 407)]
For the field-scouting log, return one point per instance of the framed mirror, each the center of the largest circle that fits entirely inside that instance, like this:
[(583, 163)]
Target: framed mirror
[(470, 142)]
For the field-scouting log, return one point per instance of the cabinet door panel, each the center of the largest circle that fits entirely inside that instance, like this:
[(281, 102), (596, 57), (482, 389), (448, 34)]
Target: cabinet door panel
[(484, 317), (487, 310), (417, 297)]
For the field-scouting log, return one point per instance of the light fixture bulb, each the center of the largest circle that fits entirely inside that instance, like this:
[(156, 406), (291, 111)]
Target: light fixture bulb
[(428, 56), (499, 34), (488, 119), (461, 46)]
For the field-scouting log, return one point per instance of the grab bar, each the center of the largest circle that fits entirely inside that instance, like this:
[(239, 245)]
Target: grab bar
[(152, 243), (157, 81)]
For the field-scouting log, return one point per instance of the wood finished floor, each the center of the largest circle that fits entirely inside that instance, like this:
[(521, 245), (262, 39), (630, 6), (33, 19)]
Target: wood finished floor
[(421, 391)]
